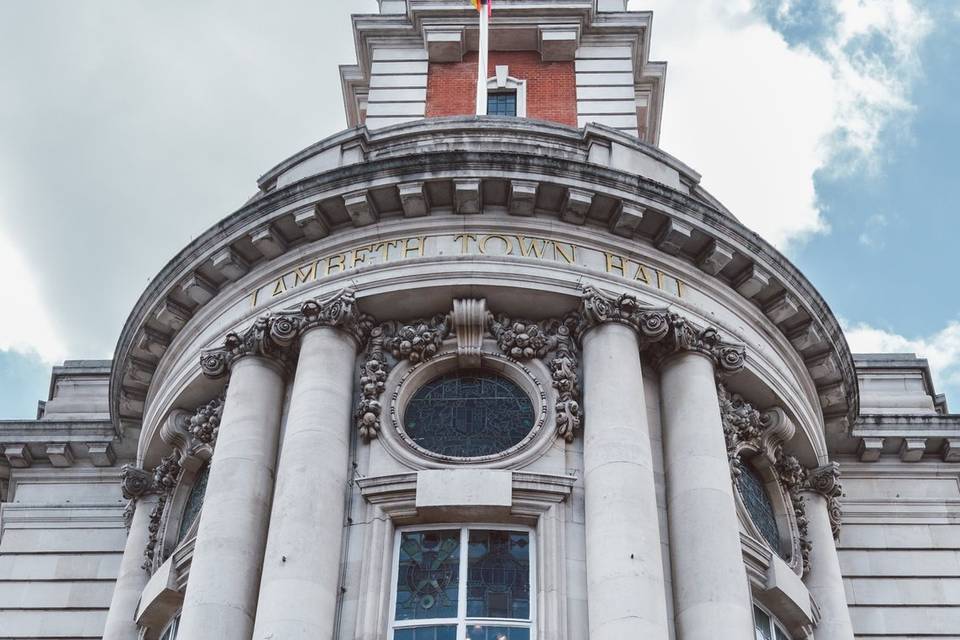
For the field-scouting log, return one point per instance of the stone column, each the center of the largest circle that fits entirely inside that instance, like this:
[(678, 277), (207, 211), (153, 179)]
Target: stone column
[(625, 585), (299, 587), (710, 588), (132, 578), (221, 595), (824, 580)]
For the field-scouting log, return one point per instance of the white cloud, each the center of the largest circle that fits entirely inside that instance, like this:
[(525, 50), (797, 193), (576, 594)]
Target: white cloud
[(942, 350), (25, 324), (759, 118)]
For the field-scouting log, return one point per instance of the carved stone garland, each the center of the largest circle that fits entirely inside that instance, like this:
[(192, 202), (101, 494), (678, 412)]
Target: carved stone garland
[(525, 340), (749, 432), (415, 342)]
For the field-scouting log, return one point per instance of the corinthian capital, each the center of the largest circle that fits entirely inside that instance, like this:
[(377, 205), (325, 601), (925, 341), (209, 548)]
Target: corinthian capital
[(598, 308), (661, 331), (338, 311), (825, 480), (275, 336), (270, 337), (135, 482)]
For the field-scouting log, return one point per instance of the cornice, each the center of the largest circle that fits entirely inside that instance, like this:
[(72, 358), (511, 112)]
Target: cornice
[(688, 227)]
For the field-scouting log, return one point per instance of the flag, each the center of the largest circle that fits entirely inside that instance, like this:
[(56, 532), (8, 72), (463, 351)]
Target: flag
[(477, 4)]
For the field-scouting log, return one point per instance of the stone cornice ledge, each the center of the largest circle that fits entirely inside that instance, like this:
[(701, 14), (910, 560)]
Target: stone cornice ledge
[(390, 156)]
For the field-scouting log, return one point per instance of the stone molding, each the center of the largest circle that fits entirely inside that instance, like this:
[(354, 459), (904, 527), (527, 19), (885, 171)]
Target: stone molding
[(276, 336), (661, 332)]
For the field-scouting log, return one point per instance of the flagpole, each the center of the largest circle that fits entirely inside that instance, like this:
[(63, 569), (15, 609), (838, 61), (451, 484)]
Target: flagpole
[(484, 56)]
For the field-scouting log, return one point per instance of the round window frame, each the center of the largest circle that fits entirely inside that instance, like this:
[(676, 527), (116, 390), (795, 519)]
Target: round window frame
[(407, 379)]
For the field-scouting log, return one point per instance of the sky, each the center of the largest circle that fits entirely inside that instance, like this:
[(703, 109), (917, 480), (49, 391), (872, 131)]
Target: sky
[(128, 127)]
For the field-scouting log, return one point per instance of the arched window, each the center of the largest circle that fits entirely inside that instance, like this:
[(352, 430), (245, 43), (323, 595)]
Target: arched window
[(759, 506), (194, 503)]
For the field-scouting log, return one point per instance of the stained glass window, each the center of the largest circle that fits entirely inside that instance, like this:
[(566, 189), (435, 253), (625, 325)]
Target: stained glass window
[(463, 584), (468, 414), (758, 505), (427, 580), (502, 103), (194, 502)]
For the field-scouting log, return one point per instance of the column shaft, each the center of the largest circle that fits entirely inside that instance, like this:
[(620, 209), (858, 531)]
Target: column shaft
[(625, 585), (711, 593), (298, 590), (225, 573), (825, 581), (121, 619)]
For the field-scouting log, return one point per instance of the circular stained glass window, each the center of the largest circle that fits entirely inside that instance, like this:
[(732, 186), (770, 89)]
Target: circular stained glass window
[(469, 414)]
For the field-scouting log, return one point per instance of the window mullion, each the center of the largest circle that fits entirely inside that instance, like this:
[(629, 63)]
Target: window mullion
[(462, 601)]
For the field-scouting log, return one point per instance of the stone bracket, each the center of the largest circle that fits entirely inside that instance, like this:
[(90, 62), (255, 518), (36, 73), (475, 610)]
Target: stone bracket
[(470, 323)]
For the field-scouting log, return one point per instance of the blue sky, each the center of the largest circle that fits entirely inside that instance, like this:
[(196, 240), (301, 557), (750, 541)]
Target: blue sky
[(126, 129)]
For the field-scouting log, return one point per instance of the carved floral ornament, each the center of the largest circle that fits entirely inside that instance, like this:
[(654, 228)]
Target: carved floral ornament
[(191, 435), (749, 432), (661, 333)]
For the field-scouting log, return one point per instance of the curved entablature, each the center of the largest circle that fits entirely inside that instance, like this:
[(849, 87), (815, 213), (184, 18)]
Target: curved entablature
[(590, 205)]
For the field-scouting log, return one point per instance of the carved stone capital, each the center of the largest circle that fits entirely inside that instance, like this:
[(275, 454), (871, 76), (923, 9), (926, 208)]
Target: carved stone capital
[(270, 337), (684, 336), (651, 325), (275, 336), (135, 482), (825, 480), (338, 311), (660, 331)]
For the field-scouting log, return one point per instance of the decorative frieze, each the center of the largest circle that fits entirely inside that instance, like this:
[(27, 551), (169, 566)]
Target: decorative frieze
[(204, 424), (373, 378)]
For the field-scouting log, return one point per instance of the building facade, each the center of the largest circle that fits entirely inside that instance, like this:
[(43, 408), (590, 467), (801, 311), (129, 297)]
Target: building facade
[(510, 376)]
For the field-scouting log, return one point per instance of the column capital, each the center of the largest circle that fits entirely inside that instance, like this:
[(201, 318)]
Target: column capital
[(275, 336), (662, 332), (136, 482), (825, 480)]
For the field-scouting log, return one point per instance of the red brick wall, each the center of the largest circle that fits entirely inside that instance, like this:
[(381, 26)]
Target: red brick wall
[(551, 86)]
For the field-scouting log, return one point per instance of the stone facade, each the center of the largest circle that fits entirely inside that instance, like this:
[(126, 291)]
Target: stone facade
[(701, 451)]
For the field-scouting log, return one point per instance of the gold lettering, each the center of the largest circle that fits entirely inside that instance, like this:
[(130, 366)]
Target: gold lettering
[(615, 262), (302, 277), (280, 286), (253, 298), (335, 262), (384, 248), (507, 245), (418, 248), (465, 239), (533, 248), (359, 255), (559, 251), (659, 279), (679, 288), (641, 274)]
